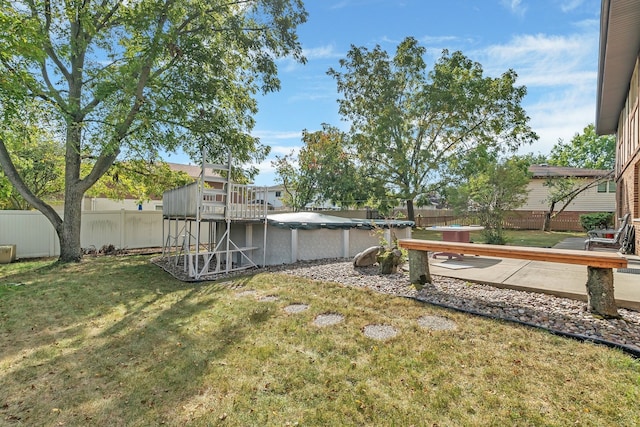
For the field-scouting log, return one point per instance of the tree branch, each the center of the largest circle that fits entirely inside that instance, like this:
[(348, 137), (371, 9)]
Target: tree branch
[(14, 177)]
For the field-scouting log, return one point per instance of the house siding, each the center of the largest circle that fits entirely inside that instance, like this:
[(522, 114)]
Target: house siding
[(628, 156), (588, 201)]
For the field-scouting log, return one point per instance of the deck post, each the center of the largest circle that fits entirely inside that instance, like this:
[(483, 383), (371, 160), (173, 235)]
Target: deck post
[(419, 267)]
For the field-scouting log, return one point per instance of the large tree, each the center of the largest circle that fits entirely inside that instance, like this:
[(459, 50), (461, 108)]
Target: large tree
[(126, 79), (406, 122), (585, 150)]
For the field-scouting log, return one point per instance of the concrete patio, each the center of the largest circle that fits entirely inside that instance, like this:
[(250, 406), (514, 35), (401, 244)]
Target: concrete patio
[(564, 280)]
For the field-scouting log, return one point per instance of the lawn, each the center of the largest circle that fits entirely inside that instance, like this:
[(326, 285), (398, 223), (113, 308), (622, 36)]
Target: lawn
[(541, 239), (115, 341)]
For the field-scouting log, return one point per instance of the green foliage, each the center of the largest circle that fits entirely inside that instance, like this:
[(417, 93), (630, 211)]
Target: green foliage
[(300, 185), (125, 80), (483, 184), (592, 221), (39, 159), (138, 179), (408, 123), (323, 170), (586, 150), (490, 188)]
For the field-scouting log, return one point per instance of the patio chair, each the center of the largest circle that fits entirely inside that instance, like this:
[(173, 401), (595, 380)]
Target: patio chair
[(615, 242)]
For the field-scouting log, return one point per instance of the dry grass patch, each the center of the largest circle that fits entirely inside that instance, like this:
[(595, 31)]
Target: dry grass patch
[(115, 341)]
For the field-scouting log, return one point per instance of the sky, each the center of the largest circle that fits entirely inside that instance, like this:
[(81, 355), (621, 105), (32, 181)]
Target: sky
[(551, 44)]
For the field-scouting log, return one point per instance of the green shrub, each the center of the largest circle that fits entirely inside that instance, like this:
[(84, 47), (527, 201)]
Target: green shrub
[(596, 220)]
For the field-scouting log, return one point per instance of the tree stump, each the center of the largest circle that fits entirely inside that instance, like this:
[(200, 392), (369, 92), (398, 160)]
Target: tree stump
[(389, 261), (600, 295), (419, 267)]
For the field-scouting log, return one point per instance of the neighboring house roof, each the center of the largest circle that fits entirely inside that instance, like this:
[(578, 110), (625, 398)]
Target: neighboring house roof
[(545, 171), (193, 171), (619, 47)]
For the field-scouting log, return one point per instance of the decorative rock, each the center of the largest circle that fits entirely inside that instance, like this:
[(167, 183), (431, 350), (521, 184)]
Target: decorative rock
[(368, 257)]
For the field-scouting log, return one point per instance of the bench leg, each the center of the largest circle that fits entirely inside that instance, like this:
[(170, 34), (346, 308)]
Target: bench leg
[(600, 295), (419, 267)]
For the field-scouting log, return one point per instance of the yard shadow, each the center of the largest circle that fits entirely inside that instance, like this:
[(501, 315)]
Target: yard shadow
[(154, 355)]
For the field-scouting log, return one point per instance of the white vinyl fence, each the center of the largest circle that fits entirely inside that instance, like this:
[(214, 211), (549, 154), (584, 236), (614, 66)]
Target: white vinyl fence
[(34, 236)]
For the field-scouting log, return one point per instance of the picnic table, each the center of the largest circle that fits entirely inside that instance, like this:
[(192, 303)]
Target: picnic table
[(454, 233)]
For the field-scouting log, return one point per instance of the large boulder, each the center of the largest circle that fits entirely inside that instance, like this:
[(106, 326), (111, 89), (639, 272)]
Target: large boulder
[(368, 257)]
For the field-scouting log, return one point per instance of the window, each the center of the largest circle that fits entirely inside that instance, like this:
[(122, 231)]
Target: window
[(607, 187), (278, 193)]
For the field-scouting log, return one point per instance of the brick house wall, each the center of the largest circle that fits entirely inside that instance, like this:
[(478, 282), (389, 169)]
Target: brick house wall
[(628, 156)]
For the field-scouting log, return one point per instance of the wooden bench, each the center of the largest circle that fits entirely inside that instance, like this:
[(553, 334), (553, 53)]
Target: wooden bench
[(600, 265)]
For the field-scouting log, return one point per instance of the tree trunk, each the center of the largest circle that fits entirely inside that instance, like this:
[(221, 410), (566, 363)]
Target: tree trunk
[(389, 260), (69, 229), (547, 217), (600, 293), (546, 226), (410, 213)]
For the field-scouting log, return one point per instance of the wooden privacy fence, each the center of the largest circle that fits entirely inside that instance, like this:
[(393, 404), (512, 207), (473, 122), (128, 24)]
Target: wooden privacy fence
[(515, 220), (34, 236)]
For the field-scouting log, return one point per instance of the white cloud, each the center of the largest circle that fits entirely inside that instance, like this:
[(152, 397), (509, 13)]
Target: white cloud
[(544, 60), (277, 135), (560, 116), (322, 52), (560, 73), (570, 5), (515, 6)]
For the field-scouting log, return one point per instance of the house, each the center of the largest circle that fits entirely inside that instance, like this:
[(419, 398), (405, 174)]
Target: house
[(600, 198), (617, 100)]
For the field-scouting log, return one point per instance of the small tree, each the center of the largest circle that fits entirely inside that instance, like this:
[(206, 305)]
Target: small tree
[(300, 185), (563, 191), (491, 192), (323, 170), (586, 150)]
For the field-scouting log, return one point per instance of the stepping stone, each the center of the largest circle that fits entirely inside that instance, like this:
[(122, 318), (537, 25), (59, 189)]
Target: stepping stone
[(268, 298), (328, 319), (437, 323), (247, 293), (296, 308), (380, 332)]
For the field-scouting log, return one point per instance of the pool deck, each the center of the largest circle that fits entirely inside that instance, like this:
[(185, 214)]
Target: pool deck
[(563, 280)]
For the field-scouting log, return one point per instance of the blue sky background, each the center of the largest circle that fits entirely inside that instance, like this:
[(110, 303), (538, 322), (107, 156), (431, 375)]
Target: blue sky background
[(551, 44)]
